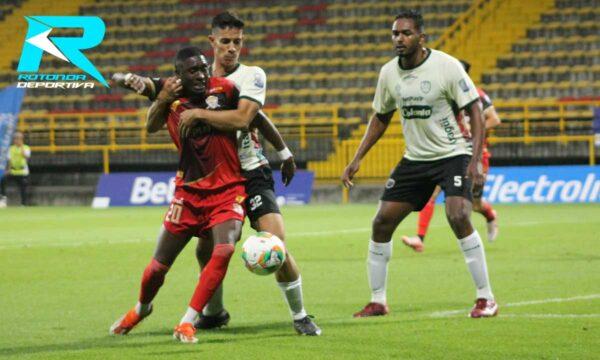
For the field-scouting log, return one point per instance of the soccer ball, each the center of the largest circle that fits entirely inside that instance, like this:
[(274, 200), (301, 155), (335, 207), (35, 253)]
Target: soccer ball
[(263, 253)]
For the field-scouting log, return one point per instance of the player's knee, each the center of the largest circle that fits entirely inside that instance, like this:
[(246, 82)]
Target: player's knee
[(223, 250), (458, 219), (382, 227), (156, 268)]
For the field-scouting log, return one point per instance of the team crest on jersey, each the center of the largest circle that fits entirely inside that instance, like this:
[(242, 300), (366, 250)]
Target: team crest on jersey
[(390, 183), (212, 102), (425, 86), (259, 82), (397, 89), (238, 209), (463, 85)]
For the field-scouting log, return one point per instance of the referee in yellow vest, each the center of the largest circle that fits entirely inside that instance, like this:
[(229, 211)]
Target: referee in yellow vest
[(17, 169)]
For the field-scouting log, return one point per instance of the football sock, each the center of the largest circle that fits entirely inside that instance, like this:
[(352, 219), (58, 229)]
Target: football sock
[(215, 304), (472, 249), (377, 266), (292, 292), (152, 280), (211, 278), (190, 316), (487, 211), (142, 309), (425, 216)]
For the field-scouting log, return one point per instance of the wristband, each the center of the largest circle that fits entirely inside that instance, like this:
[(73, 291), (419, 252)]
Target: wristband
[(284, 154)]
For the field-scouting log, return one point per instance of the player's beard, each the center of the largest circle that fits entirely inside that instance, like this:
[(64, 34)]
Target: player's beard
[(196, 97), (408, 52)]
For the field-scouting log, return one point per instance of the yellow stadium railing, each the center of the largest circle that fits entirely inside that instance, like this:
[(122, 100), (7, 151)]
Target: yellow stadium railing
[(523, 122), (118, 131), (549, 117)]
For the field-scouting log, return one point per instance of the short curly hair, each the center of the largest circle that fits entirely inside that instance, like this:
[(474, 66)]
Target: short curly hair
[(414, 15)]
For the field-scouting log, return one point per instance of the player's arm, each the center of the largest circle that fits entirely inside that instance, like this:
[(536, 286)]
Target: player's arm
[(475, 113), (270, 132), (134, 82), (491, 117), (226, 120), (375, 130), (159, 110)]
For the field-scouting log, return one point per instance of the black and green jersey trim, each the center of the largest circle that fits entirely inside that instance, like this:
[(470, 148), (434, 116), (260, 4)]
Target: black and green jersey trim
[(469, 103)]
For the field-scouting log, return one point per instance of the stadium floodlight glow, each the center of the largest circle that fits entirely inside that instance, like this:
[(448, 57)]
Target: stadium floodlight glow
[(65, 48)]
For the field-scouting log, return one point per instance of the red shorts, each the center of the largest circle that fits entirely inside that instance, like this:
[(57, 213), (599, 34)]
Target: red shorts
[(193, 213)]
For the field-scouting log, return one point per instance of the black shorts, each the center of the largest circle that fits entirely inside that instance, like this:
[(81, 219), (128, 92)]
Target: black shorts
[(260, 188), (414, 181)]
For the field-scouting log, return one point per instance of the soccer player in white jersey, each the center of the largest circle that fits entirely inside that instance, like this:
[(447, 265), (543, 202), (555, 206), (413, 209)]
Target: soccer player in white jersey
[(226, 40), (424, 84)]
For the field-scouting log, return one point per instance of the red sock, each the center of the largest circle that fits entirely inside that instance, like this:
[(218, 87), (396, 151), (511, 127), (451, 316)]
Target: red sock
[(152, 280), (212, 276), (425, 218), (487, 211)]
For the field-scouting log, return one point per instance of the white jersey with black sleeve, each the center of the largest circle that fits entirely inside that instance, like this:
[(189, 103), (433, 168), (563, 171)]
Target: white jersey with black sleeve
[(428, 97), (251, 81)]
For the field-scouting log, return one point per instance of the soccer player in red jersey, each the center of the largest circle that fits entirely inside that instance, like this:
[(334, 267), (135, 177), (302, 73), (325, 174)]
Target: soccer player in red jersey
[(479, 204), (227, 38), (209, 192)]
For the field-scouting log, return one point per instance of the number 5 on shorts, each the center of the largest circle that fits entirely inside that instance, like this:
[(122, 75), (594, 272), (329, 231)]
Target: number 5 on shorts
[(174, 213), (458, 181)]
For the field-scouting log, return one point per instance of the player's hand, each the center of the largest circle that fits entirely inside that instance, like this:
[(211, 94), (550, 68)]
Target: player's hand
[(475, 173), (171, 90), (349, 172), (288, 170), (129, 81), (135, 82), (187, 121)]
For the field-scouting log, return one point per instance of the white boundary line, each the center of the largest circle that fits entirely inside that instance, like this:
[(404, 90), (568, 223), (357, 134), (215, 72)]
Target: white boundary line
[(294, 234), (449, 313), (552, 316)]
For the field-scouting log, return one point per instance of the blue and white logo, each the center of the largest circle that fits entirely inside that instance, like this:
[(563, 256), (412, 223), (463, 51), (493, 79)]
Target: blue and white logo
[(68, 49), (259, 82)]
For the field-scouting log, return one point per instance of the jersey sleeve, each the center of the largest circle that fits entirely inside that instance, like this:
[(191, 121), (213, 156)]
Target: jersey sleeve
[(459, 85), (254, 86), (485, 99), (383, 101)]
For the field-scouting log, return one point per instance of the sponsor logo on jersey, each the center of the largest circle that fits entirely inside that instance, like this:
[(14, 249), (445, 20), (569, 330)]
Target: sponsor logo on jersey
[(463, 85), (416, 112), (259, 82), (425, 86), (449, 129)]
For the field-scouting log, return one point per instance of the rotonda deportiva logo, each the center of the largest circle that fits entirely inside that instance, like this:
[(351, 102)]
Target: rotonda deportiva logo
[(68, 49)]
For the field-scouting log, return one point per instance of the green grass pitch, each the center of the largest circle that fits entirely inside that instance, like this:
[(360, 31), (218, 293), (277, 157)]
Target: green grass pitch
[(67, 273)]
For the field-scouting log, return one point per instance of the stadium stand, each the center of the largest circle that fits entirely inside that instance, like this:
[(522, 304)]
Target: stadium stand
[(322, 59)]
